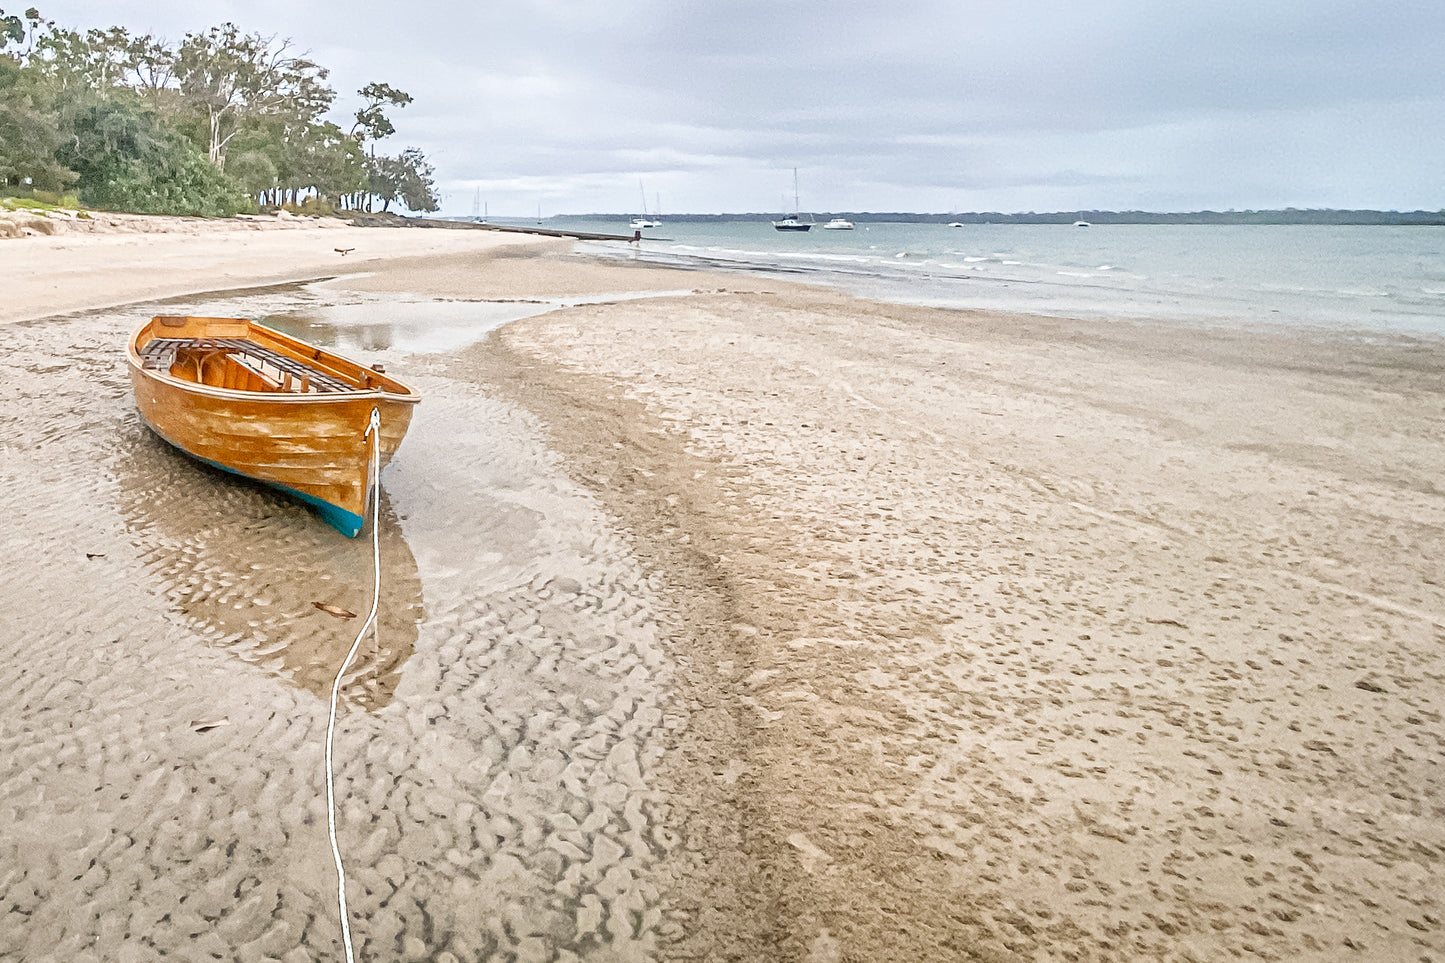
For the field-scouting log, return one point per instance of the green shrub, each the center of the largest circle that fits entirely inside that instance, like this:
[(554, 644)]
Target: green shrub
[(311, 205), (129, 161)]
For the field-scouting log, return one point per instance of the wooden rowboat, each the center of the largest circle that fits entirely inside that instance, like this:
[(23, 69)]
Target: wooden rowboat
[(259, 403)]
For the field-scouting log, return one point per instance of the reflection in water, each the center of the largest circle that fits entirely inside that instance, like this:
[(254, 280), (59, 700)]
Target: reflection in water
[(413, 326), (247, 563), (366, 322)]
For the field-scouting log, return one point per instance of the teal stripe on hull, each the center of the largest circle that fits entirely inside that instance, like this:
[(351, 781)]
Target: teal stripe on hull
[(347, 523)]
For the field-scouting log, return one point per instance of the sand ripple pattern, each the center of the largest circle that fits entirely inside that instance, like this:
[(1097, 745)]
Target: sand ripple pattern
[(1058, 641), (496, 803)]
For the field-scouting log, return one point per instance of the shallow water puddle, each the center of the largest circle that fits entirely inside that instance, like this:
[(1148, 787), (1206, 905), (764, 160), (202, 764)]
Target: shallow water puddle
[(248, 565), (417, 325)]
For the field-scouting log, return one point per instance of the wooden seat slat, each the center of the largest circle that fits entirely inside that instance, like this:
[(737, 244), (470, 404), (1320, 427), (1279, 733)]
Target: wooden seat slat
[(160, 353)]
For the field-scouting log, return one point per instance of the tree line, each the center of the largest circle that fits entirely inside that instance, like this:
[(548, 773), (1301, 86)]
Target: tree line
[(219, 123)]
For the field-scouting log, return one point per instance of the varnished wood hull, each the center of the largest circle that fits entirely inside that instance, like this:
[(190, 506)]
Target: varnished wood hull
[(310, 444)]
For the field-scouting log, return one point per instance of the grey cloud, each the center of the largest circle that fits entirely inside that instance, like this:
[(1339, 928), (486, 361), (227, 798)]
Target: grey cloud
[(914, 105)]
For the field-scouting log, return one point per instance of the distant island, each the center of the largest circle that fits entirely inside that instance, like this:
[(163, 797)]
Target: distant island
[(1288, 215)]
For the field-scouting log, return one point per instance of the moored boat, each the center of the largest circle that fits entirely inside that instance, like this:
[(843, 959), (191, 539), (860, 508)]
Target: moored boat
[(793, 222), (259, 403), (838, 224)]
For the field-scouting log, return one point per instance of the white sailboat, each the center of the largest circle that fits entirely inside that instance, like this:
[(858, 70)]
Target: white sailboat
[(642, 220)]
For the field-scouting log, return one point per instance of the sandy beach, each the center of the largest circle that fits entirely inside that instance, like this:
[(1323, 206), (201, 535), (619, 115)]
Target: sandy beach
[(724, 619)]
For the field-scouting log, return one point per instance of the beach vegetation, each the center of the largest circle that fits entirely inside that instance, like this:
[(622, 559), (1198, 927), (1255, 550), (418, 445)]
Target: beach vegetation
[(222, 122), (312, 206), (128, 159), (41, 201), (12, 29), (229, 80), (405, 179), (371, 120), (30, 131)]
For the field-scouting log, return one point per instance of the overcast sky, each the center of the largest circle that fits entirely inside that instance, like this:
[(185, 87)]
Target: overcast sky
[(956, 105)]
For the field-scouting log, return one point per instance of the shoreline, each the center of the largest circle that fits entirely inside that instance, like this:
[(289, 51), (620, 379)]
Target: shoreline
[(202, 256), (758, 621)]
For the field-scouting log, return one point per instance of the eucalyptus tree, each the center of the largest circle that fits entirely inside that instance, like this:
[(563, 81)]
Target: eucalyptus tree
[(324, 157), (230, 78), (153, 65), (96, 62), (282, 163), (30, 128), (22, 31), (12, 29), (371, 120), (127, 118), (406, 178)]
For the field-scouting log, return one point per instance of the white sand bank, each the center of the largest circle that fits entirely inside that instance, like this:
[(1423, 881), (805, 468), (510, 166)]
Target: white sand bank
[(140, 259)]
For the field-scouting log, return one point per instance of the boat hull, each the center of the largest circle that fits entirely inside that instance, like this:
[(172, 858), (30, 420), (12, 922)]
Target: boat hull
[(311, 445)]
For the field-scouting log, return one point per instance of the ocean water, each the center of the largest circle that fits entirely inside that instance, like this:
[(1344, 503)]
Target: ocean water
[(1381, 279)]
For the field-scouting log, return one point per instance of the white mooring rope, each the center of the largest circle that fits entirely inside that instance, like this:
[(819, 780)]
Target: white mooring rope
[(373, 471)]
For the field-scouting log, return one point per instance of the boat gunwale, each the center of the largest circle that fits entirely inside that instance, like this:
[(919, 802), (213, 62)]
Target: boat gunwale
[(271, 397)]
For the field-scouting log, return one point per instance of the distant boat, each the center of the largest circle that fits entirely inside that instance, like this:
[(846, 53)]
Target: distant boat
[(1082, 224), (792, 222), (955, 224), (642, 221), (838, 224), (259, 403)]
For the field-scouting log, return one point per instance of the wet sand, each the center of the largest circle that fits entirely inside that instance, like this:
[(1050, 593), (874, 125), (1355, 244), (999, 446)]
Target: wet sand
[(748, 623)]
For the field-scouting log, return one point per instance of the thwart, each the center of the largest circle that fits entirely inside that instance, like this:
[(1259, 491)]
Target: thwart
[(255, 402)]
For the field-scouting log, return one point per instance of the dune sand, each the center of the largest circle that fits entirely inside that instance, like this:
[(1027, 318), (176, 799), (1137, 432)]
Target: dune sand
[(743, 621)]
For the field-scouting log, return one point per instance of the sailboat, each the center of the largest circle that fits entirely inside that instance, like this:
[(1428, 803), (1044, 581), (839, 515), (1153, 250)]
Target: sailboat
[(791, 222), (642, 220)]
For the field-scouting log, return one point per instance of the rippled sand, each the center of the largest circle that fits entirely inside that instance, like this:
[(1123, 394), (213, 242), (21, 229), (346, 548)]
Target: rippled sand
[(1030, 638), (492, 768), (747, 623)]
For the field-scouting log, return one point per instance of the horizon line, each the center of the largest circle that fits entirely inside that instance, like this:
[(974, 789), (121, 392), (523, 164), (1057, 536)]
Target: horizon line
[(1135, 212)]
